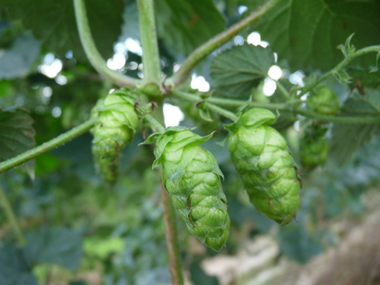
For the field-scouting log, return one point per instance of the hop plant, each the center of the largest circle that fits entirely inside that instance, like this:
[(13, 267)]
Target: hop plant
[(191, 177), (265, 165), (323, 100), (116, 125)]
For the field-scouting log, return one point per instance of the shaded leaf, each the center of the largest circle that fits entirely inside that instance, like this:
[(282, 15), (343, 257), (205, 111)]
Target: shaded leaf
[(16, 133), (16, 61), (367, 78), (236, 71), (53, 22), (13, 267), (186, 24), (347, 138), (54, 245), (307, 33)]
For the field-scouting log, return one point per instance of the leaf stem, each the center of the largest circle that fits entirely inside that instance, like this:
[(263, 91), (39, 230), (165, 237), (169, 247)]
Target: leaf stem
[(282, 89), (11, 217), (45, 147), (342, 64), (279, 106), (201, 52), (197, 99), (155, 125), (175, 266), (92, 52), (151, 58)]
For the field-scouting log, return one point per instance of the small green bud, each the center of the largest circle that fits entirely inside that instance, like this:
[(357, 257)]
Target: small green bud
[(261, 157), (323, 100), (191, 177)]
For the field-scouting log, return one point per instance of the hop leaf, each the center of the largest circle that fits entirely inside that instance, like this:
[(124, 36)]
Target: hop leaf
[(265, 165)]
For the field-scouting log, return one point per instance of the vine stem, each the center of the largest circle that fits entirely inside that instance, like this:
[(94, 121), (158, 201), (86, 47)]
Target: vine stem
[(277, 106), (48, 146), (196, 99), (92, 52), (201, 52), (175, 267), (11, 217), (151, 58), (342, 64), (155, 125)]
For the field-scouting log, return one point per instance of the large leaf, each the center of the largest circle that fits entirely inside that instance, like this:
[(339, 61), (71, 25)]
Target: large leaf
[(236, 71), (13, 267), (347, 138), (307, 32), (16, 61), (16, 133), (54, 245), (186, 24), (53, 22)]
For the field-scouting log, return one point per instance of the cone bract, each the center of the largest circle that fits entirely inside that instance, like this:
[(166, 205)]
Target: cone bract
[(323, 100), (261, 157), (191, 177)]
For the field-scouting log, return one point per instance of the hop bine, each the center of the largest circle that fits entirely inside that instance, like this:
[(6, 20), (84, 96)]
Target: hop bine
[(261, 157)]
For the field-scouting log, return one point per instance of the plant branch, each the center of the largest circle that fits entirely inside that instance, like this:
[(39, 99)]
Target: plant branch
[(45, 147), (280, 106), (337, 68), (196, 99), (208, 47), (92, 52), (175, 267), (11, 217), (151, 58)]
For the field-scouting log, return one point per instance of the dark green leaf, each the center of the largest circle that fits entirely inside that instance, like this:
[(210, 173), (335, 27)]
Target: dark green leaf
[(347, 138), (198, 276), (236, 71), (186, 24), (53, 22), (367, 79), (13, 268), (307, 32), (16, 133), (16, 61), (54, 245)]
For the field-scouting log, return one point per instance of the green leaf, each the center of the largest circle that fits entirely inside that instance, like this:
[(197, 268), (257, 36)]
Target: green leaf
[(54, 245), (347, 138), (16, 61), (16, 133), (236, 71), (307, 33), (367, 78), (186, 24), (13, 267), (53, 22)]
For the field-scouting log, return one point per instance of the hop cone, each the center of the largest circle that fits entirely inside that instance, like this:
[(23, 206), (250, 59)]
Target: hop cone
[(323, 100), (116, 124), (265, 165), (190, 175)]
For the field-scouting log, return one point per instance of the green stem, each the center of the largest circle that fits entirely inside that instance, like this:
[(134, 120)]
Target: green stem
[(337, 68), (151, 58), (196, 99), (208, 47), (280, 106), (11, 217), (282, 89), (175, 266), (45, 147), (92, 52), (155, 125)]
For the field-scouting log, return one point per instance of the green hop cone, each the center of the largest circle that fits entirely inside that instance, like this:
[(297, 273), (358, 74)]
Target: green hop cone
[(314, 147), (323, 100), (116, 124), (191, 177), (265, 165)]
